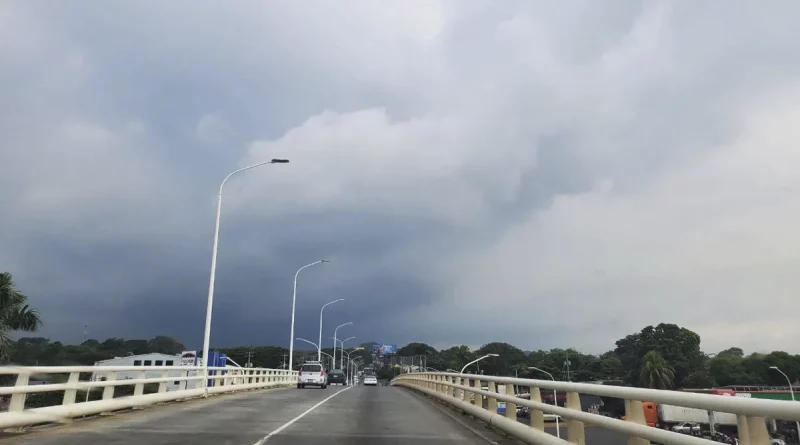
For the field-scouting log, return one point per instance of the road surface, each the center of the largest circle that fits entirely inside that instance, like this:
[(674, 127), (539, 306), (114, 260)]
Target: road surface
[(337, 415)]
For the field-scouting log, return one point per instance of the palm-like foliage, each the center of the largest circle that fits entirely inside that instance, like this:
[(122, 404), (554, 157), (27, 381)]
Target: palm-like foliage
[(15, 315), (656, 372)]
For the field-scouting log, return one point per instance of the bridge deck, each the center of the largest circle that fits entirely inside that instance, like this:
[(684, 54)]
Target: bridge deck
[(354, 416)]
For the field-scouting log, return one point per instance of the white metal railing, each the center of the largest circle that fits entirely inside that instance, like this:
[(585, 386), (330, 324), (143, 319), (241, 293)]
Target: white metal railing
[(174, 383), (464, 392)]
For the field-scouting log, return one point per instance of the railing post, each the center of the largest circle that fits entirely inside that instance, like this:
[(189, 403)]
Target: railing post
[(492, 401), (511, 407), (634, 412), (575, 431), (743, 430), (17, 403), (108, 391), (477, 399), (464, 392), (757, 431), (138, 389), (537, 417), (162, 386), (69, 394)]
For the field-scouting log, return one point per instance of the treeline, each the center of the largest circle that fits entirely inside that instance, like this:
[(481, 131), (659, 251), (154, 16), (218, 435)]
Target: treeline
[(663, 356), (39, 351), (32, 351)]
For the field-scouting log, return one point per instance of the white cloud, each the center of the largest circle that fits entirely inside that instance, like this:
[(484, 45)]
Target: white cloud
[(712, 246), (623, 163)]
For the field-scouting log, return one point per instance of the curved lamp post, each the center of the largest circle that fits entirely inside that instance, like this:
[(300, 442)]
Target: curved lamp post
[(341, 358), (791, 391), (294, 301), (319, 342), (555, 398), (210, 303), (477, 360), (334, 339)]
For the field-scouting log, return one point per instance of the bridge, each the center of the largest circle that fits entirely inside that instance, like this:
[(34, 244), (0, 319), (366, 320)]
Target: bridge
[(254, 406)]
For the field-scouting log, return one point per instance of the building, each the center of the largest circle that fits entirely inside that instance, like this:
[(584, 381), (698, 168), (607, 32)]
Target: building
[(153, 359)]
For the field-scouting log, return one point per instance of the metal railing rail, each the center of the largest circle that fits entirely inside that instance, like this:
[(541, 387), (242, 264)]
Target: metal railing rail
[(454, 389), (221, 380)]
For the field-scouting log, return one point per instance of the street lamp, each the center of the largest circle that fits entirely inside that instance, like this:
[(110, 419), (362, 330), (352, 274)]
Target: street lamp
[(477, 360), (352, 369), (210, 303), (319, 342), (294, 300), (555, 398), (791, 391), (314, 345), (341, 359), (334, 340)]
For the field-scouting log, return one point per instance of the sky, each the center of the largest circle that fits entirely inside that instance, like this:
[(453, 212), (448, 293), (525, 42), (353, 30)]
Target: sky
[(541, 173)]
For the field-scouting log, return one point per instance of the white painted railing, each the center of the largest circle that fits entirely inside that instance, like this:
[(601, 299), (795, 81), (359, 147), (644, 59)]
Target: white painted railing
[(463, 391), (174, 383)]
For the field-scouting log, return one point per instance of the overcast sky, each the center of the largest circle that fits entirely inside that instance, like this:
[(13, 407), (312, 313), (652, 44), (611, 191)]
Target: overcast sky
[(547, 174)]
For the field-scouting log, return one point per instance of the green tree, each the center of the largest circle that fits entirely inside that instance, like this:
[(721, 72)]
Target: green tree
[(679, 346), (731, 352), (508, 359), (15, 315), (165, 345), (456, 357), (655, 372)]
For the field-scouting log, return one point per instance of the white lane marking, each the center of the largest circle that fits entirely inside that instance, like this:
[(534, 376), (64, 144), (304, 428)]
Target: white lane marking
[(289, 423)]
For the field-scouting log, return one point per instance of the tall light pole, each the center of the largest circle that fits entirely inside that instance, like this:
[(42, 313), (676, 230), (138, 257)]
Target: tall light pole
[(334, 340), (555, 398), (294, 301), (314, 345), (210, 304), (319, 342), (477, 360), (354, 369), (791, 391), (341, 358)]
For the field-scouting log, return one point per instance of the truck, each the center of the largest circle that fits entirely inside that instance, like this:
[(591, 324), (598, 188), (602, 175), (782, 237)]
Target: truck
[(668, 416)]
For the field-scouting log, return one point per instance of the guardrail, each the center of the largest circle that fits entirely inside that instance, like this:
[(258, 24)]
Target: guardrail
[(167, 383), (463, 391)]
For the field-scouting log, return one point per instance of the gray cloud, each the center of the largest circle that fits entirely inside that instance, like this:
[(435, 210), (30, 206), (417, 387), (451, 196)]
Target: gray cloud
[(549, 176)]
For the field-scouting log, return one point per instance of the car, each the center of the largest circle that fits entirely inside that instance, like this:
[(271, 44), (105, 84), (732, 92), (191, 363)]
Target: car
[(686, 428), (370, 380), (312, 374), (337, 377)]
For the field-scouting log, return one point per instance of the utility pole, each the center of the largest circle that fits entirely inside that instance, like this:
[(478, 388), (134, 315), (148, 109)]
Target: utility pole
[(249, 363), (284, 360), (566, 367), (85, 332)]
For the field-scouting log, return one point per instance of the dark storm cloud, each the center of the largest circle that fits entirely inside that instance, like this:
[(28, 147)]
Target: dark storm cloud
[(462, 164)]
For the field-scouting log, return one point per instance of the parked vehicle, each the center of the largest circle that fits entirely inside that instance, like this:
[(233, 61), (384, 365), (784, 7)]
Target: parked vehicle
[(668, 416), (686, 428)]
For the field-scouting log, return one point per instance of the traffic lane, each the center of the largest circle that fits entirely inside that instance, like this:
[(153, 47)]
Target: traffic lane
[(229, 419), (385, 415)]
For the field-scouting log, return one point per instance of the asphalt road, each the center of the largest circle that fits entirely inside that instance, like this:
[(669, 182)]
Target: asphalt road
[(337, 415)]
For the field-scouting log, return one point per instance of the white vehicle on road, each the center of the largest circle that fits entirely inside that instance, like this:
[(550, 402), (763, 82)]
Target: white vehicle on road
[(370, 380), (312, 374), (686, 428)]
